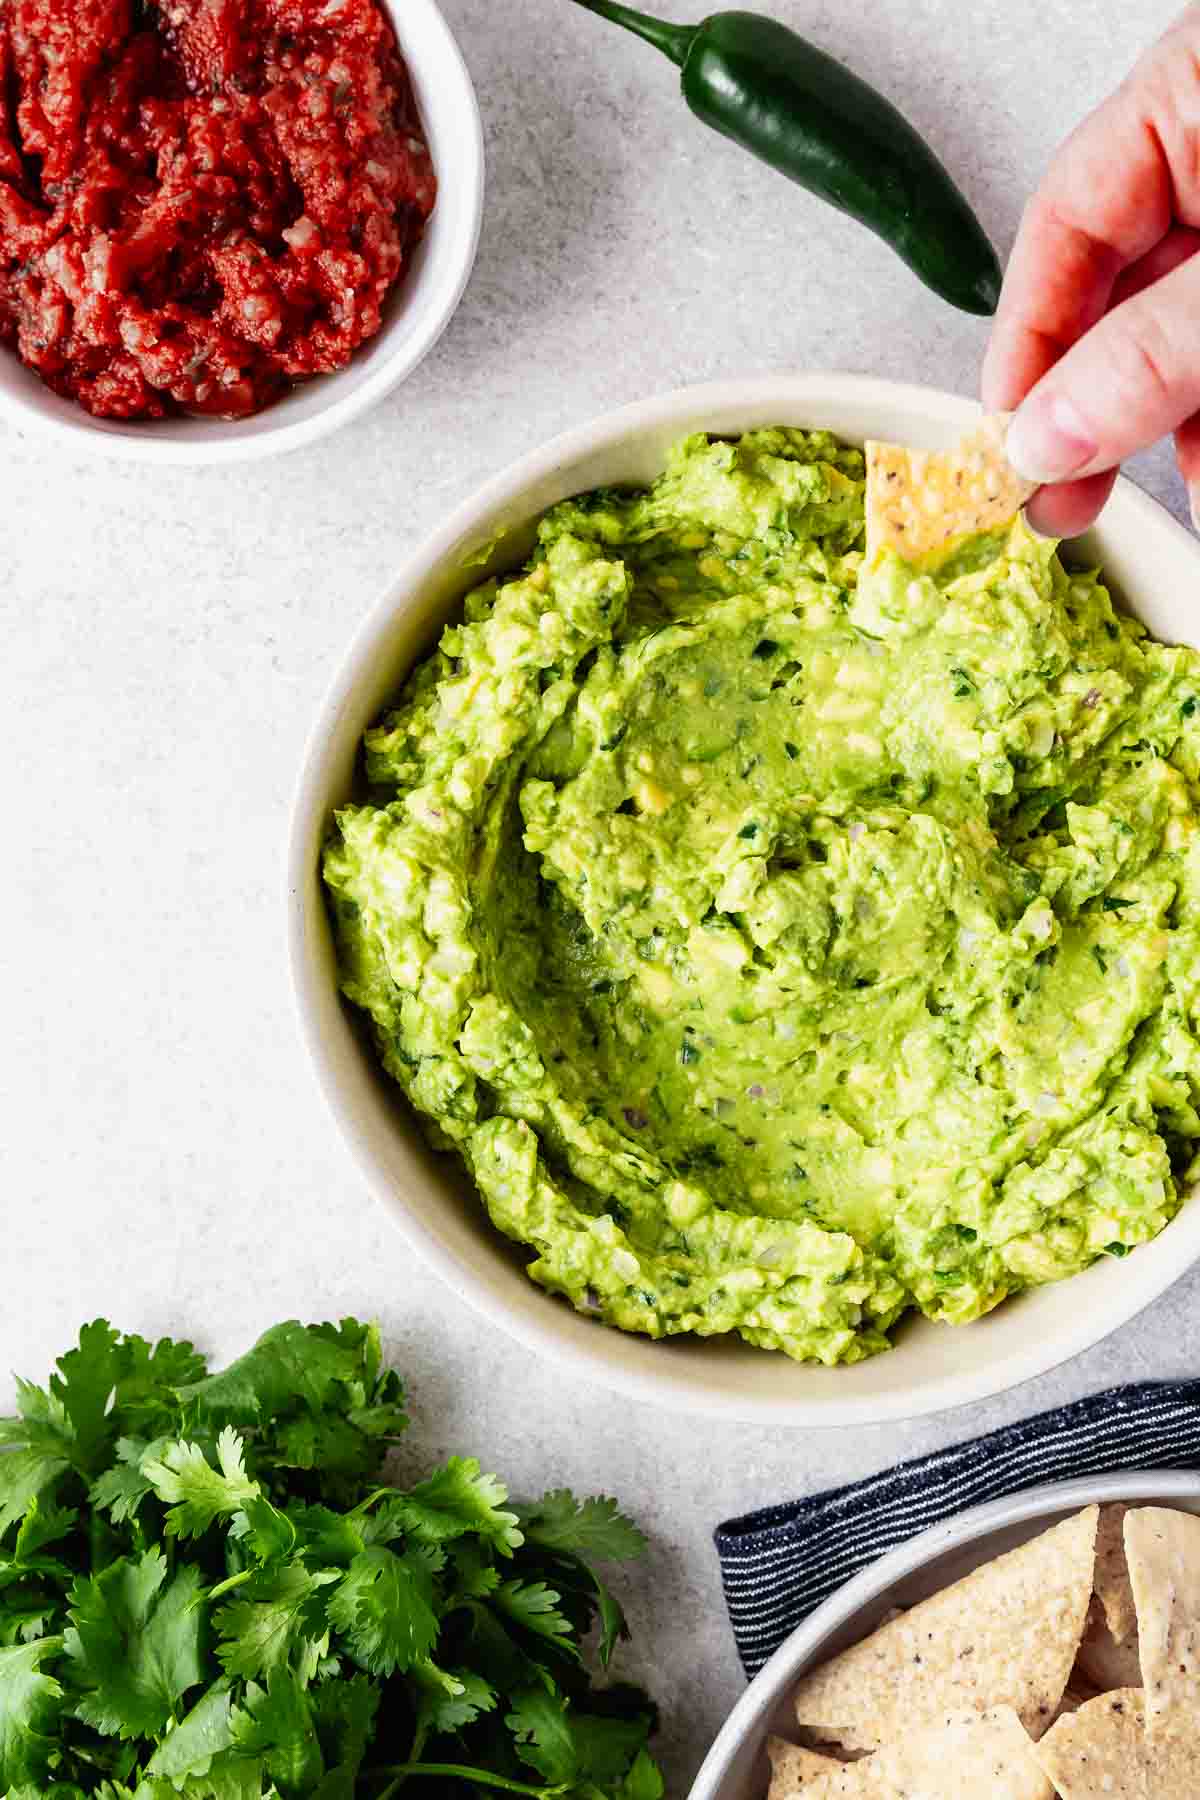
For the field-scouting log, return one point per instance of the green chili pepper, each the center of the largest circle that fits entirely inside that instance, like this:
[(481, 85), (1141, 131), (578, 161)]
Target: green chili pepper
[(806, 115)]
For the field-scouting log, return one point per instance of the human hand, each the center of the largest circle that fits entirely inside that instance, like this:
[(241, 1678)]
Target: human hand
[(1097, 337)]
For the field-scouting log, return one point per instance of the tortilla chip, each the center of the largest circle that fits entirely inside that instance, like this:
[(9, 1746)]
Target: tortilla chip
[(966, 1753), (1104, 1663), (923, 503), (1162, 1548), (1007, 1635), (1108, 1655), (792, 1768), (1113, 1587), (1104, 1752)]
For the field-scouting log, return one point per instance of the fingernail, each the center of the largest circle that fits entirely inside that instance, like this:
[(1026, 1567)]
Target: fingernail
[(1048, 440)]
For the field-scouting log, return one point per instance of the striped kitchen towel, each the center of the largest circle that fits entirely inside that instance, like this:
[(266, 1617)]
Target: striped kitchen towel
[(778, 1564)]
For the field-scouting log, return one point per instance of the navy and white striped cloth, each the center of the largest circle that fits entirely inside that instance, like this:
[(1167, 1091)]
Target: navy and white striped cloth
[(778, 1564)]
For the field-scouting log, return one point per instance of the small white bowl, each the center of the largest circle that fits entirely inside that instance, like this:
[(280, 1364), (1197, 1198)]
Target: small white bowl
[(736, 1768), (1152, 562), (417, 312)]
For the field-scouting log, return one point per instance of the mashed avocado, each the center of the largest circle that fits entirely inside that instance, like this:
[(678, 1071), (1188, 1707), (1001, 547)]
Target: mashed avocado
[(780, 952)]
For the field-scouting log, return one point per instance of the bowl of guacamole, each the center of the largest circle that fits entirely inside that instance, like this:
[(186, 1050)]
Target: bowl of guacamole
[(763, 977)]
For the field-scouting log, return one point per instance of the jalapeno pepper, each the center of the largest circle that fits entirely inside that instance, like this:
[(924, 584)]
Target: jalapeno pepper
[(757, 82)]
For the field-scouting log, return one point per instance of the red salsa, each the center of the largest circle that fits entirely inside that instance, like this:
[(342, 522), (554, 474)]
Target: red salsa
[(201, 202)]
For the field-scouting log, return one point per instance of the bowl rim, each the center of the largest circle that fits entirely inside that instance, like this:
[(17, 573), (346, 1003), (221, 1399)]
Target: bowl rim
[(599, 1357), (805, 1643), (419, 24)]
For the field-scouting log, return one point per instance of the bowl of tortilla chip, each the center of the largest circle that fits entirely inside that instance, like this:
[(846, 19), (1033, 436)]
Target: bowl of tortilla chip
[(1040, 1646), (680, 1355)]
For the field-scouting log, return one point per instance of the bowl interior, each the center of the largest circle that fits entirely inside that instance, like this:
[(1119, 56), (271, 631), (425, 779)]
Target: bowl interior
[(415, 313), (1151, 561), (737, 1767)]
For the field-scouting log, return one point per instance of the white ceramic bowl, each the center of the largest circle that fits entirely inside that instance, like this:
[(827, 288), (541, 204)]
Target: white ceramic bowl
[(736, 1767), (1155, 565), (417, 312)]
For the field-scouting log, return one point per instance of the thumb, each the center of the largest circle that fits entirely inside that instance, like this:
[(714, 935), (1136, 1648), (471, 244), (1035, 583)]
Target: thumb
[(1127, 382)]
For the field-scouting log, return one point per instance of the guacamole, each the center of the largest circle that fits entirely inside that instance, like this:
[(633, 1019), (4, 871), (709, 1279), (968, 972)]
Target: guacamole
[(782, 950)]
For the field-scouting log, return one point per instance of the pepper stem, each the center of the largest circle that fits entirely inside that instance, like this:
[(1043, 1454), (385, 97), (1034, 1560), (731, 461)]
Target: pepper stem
[(673, 40)]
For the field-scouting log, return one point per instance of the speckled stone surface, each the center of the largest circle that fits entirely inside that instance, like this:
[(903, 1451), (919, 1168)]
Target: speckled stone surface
[(166, 638)]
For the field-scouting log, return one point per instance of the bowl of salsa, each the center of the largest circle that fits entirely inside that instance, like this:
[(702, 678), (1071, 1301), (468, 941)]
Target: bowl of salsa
[(226, 229)]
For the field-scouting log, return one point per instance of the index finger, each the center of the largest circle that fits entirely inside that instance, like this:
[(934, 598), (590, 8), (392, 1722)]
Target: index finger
[(1070, 507), (1082, 227)]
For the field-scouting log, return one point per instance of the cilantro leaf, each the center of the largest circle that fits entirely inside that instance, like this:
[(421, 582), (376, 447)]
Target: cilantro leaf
[(25, 1475), (278, 1618), (40, 1526), (544, 1739), (382, 1518), (587, 1528), (40, 1423), (318, 1366), (26, 1614), (613, 1626), (30, 1703), (325, 1536), (449, 1698), (134, 1644), (577, 1579), (202, 1734), (268, 1532), (384, 1606), (472, 1576), (229, 1777), (566, 1745), (85, 1383), (120, 1490), (314, 1398), (183, 1475), (498, 1657), (644, 1780), (276, 1725), (534, 1606), (287, 1363), (152, 1375), (606, 1746), (345, 1456), (344, 1712), (458, 1499)]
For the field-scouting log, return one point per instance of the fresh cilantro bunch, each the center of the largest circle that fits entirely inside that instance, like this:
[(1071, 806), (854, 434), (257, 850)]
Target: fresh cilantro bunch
[(207, 1590)]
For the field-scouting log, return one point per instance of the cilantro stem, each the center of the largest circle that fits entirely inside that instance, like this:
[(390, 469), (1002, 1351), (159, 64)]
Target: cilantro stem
[(458, 1772), (224, 1587), (379, 1493)]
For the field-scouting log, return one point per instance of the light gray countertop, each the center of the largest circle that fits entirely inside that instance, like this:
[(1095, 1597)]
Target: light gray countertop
[(166, 637)]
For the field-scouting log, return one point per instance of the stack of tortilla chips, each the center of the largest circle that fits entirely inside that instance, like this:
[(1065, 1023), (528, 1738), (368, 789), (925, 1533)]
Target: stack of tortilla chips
[(1068, 1666)]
